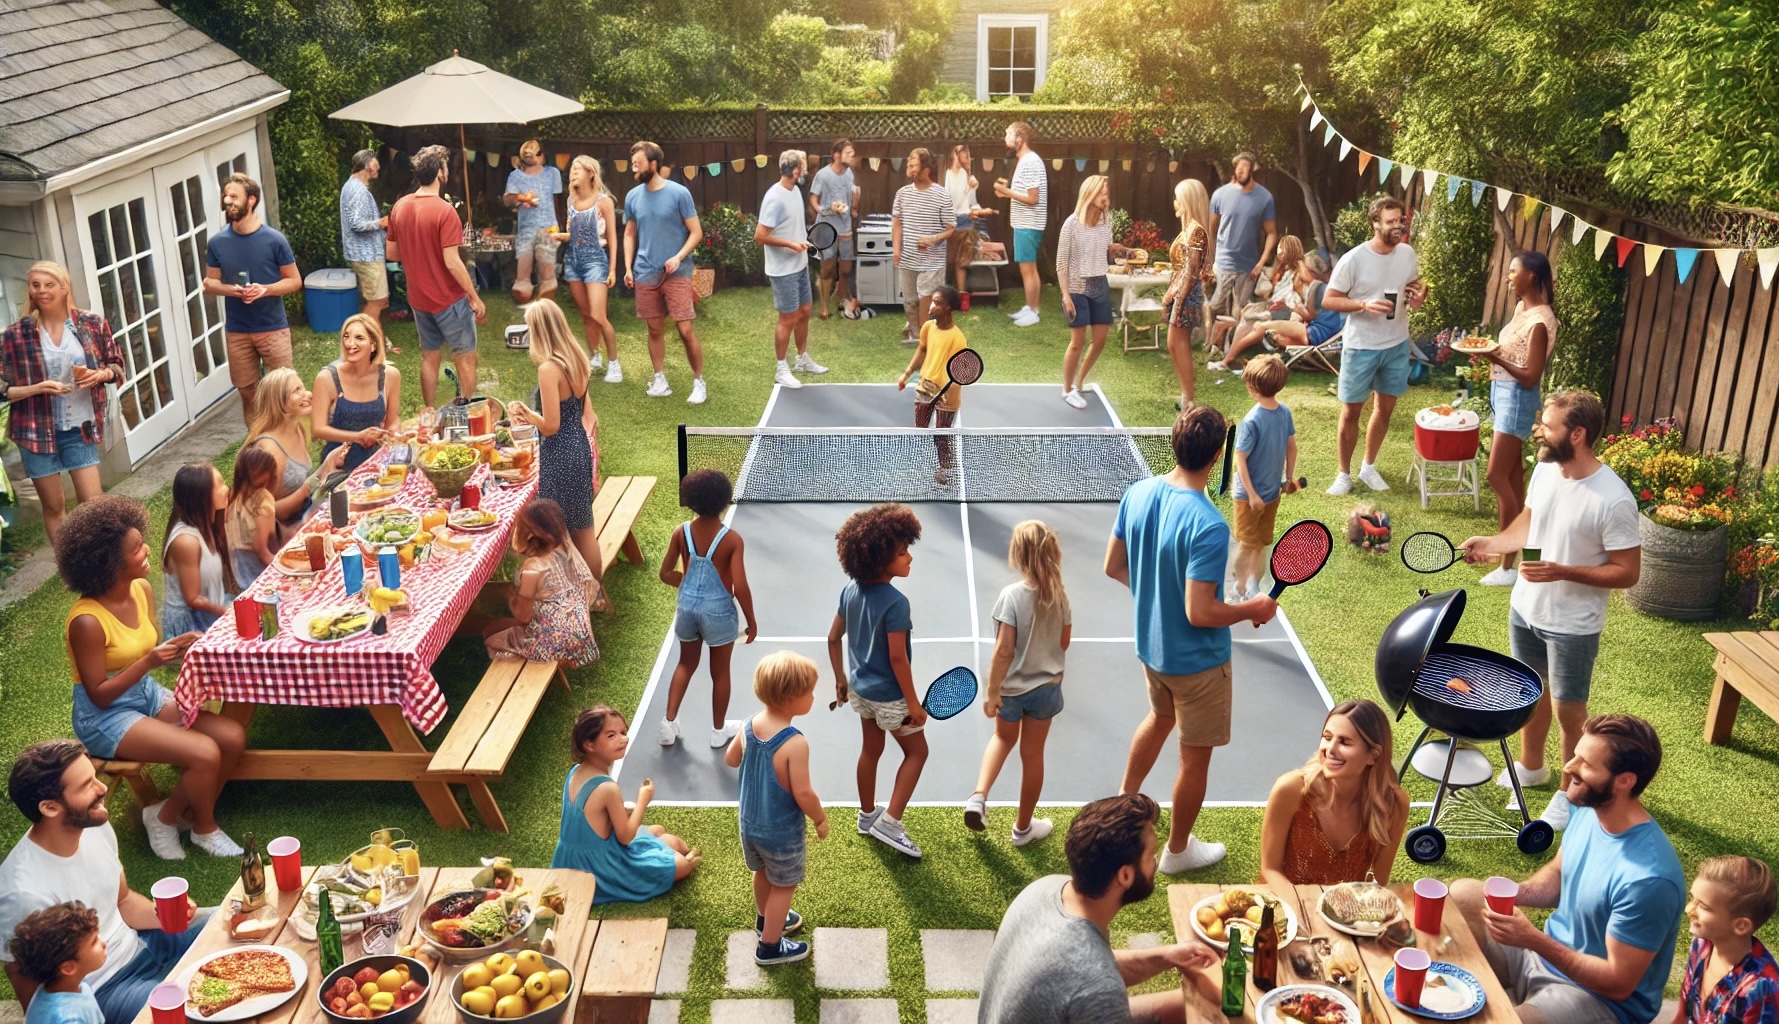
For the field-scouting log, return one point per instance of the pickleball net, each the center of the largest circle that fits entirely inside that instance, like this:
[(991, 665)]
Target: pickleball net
[(868, 464)]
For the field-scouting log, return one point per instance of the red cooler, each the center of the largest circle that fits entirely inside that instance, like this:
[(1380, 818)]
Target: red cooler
[(1446, 437)]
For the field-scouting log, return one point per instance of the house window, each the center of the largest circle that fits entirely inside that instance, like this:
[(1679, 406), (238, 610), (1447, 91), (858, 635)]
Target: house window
[(1012, 52)]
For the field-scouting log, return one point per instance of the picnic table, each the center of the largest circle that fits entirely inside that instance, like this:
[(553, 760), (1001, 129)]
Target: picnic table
[(1747, 665), (1455, 945), (390, 676)]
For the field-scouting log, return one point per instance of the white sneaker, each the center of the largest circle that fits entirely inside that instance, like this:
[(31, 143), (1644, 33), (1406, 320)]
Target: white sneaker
[(1198, 854), (613, 374), (1040, 828), (1556, 813), (163, 839), (804, 364), (867, 819), (1343, 484), (216, 844), (669, 732), (720, 738), (1501, 577), (658, 387), (1528, 777), (1075, 399), (597, 362), (783, 377), (1028, 318), (890, 832), (975, 812), (1370, 477), (908, 337), (1217, 367), (697, 397), (1021, 311)]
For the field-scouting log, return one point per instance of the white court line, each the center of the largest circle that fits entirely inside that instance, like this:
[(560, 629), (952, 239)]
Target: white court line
[(1107, 402)]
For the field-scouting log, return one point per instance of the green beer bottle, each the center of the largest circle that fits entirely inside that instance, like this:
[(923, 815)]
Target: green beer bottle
[(1235, 976), (327, 935)]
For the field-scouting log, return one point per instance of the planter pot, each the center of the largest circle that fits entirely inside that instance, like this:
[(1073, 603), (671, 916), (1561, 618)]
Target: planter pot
[(704, 282), (1682, 571)]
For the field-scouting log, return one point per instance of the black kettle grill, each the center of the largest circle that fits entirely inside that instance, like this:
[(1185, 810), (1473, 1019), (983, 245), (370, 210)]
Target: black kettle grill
[(1416, 663)]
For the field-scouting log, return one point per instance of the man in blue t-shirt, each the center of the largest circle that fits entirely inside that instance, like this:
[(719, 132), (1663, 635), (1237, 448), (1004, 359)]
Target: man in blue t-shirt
[(1241, 210), (252, 267), (660, 231), (531, 193), (1616, 888), (1170, 546)]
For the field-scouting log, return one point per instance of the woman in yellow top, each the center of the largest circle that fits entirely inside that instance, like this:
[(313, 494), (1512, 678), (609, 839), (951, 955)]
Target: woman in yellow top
[(940, 339), (113, 644)]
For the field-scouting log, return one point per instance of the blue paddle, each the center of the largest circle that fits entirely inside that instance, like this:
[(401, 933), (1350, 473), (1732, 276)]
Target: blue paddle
[(948, 695)]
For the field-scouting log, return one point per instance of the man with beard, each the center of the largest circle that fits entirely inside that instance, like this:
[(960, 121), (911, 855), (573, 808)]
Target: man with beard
[(362, 229), (1052, 961), (1616, 888), (426, 238), (1369, 285), (920, 225), (661, 229), (252, 267), (70, 853), (531, 193), (1579, 535), (1030, 194), (1241, 209)]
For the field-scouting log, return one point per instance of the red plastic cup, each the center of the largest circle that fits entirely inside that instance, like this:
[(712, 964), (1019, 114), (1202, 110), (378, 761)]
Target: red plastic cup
[(1501, 894), (171, 906), (246, 621), (167, 1004), (471, 496), (287, 862), (1411, 975), (1430, 896)]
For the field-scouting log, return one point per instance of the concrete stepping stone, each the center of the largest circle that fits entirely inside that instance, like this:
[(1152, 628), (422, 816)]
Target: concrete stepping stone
[(951, 1011), (753, 1011), (742, 972), (676, 961), (859, 1011), (956, 959), (664, 1011), (852, 959)]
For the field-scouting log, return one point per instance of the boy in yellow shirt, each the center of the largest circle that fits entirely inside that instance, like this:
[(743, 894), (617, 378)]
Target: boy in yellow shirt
[(940, 339)]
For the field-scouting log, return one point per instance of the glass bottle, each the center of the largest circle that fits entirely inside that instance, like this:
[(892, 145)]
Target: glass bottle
[(253, 876), (327, 933), (1266, 953), (1235, 976)]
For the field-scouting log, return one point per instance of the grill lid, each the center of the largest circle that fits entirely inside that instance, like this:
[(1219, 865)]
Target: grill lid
[(1409, 638)]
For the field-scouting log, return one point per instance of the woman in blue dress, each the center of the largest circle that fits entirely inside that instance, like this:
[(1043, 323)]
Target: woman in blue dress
[(632, 861), (358, 396)]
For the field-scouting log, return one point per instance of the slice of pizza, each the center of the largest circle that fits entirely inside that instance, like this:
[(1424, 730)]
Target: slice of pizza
[(259, 969), (210, 995)]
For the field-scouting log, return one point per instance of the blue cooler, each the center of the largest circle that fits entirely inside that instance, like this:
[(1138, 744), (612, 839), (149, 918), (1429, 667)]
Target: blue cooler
[(329, 297)]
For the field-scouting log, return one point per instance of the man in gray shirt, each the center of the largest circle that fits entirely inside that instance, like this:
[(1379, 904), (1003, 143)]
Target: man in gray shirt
[(1052, 961), (1240, 211)]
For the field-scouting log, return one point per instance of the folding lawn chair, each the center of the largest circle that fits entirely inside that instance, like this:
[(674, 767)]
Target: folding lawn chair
[(1316, 355)]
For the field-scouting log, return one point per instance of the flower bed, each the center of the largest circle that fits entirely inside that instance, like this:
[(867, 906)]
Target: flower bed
[(1688, 500)]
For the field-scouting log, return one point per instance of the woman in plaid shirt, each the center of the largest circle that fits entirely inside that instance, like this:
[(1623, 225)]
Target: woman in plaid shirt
[(53, 367)]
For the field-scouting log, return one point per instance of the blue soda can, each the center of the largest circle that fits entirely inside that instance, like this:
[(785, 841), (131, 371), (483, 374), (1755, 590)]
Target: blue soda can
[(352, 562), (389, 568)]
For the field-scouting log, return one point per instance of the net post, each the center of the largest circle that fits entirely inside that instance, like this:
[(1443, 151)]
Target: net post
[(682, 452)]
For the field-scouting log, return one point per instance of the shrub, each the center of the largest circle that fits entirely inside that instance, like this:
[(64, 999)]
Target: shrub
[(1352, 225), (728, 240), (1589, 303), (1120, 223), (1453, 241), (1675, 487)]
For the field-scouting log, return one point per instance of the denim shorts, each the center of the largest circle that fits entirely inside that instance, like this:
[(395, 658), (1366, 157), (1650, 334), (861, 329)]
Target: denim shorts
[(72, 452), (1025, 244), (124, 994), (1040, 702), (791, 292), (1516, 408), (716, 623), (1565, 661), (103, 729), (1364, 370), (587, 264), (455, 328), (782, 862), (1093, 308)]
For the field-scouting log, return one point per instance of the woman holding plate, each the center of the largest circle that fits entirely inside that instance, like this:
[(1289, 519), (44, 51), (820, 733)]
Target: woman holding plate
[(1527, 343), (1342, 814)]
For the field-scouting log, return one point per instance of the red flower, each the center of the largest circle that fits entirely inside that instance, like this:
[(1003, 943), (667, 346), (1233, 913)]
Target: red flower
[(1696, 490), (1627, 420), (1729, 493), (1645, 496)]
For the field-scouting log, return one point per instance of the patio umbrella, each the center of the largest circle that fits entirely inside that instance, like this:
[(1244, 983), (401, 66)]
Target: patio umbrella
[(458, 91)]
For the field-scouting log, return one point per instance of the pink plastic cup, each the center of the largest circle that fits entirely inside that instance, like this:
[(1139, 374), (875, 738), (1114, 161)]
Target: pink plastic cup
[(171, 906), (1411, 975), (1430, 896), (167, 1004), (287, 862), (1501, 894)]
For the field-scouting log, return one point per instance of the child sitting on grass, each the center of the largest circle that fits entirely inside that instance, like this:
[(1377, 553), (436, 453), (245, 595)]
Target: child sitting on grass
[(550, 595), (57, 947), (871, 634), (775, 798), (633, 862), (1730, 977), (940, 339), (1025, 679), (710, 585), (1265, 455)]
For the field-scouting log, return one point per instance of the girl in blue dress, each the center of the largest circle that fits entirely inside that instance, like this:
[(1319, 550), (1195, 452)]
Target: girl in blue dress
[(632, 862)]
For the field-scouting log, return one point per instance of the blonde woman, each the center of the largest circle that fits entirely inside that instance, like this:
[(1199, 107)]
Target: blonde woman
[(1283, 296), (53, 367), (1185, 296), (281, 410), (590, 262), (1082, 250), (961, 185), (564, 421), (1342, 814), (358, 396)]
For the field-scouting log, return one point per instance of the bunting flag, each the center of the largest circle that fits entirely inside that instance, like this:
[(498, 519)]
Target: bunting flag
[(1652, 255), (1451, 188), (1055, 163), (988, 164), (621, 165), (1149, 167), (1307, 102), (1316, 120), (1624, 247), (1384, 167), (1105, 165), (1408, 176), (1428, 177), (713, 168), (1502, 198), (1769, 260), (1529, 207), (1580, 228), (875, 162), (896, 162), (1328, 134), (1726, 264), (1125, 164), (1173, 166), (1683, 262), (1080, 163), (1364, 161), (470, 155), (737, 164), (1557, 213), (691, 171), (1476, 191), (760, 159), (1602, 239), (492, 158), (562, 160), (1345, 148)]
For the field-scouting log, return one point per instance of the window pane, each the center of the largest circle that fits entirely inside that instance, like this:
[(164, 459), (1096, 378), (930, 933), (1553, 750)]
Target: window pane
[(132, 295), (194, 315), (149, 283), (194, 198), (188, 265), (1025, 48), (181, 217), (139, 224), (120, 232), (163, 383), (1025, 83), (137, 351), (240, 164), (1000, 41), (128, 409), (222, 174), (108, 301), (218, 346), (999, 82), (145, 399)]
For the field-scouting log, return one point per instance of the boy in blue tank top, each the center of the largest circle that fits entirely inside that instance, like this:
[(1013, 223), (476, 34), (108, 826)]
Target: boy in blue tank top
[(776, 795), (712, 582)]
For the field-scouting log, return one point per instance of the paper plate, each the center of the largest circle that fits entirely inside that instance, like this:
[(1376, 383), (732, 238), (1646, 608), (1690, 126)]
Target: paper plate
[(300, 629), (1266, 1011), (248, 1008), (1247, 932), (1454, 976)]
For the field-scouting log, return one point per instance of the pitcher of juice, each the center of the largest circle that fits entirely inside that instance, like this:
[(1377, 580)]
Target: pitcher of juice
[(481, 417)]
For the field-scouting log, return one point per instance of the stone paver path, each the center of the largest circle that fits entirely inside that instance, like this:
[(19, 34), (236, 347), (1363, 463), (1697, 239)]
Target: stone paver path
[(753, 1011), (676, 961), (852, 959), (859, 1011), (955, 958)]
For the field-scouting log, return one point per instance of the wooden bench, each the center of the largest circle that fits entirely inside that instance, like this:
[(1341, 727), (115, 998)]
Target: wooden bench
[(1747, 666), (488, 729), (618, 983), (134, 774), (615, 508)]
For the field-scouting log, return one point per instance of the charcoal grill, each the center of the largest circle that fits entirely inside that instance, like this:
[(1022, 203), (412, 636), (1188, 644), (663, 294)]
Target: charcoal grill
[(1415, 661)]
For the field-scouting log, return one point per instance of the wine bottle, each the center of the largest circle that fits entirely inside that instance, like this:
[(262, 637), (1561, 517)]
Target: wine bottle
[(1235, 976), (327, 933), (1266, 953), (253, 876)]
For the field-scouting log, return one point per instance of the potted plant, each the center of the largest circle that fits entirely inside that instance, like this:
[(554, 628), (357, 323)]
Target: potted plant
[(1687, 500)]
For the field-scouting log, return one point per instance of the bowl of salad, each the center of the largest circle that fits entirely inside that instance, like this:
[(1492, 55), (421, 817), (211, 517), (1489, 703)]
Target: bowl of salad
[(389, 526), (470, 924), (449, 467)]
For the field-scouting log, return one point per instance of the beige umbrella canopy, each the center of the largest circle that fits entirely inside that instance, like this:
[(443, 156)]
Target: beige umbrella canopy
[(458, 91)]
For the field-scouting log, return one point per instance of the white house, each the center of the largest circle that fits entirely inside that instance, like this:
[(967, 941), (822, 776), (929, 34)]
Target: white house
[(117, 122), (999, 48)]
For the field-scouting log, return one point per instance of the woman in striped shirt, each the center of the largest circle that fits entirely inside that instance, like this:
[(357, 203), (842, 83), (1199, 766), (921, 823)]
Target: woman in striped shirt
[(1081, 254)]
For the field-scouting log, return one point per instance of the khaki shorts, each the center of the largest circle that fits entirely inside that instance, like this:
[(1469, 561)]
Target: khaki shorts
[(1235, 289), (671, 298), (887, 714), (1255, 529), (373, 280), (1200, 704), (247, 348)]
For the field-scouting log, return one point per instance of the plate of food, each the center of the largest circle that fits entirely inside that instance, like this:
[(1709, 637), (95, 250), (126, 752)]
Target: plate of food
[(473, 519), (370, 493), (294, 559), (1475, 346), (1212, 916), (1450, 993), (470, 924), (1362, 909), (242, 983), (390, 526), (1306, 1004), (332, 625)]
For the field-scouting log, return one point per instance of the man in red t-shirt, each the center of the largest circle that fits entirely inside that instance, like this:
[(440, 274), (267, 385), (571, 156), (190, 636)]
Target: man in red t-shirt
[(425, 235)]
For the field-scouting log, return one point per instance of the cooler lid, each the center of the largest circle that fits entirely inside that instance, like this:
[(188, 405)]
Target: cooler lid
[(1409, 638), (331, 279)]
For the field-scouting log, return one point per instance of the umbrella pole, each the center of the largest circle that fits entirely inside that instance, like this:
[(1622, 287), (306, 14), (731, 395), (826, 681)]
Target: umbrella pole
[(469, 215)]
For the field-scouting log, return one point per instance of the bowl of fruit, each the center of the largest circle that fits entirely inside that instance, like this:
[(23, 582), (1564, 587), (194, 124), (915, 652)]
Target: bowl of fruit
[(391, 989), (449, 467), (526, 985)]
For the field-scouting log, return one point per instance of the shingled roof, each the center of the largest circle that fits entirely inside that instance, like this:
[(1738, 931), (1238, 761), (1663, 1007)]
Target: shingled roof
[(84, 79)]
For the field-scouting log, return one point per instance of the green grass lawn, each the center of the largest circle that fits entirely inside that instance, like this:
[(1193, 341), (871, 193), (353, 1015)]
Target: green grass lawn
[(1710, 800)]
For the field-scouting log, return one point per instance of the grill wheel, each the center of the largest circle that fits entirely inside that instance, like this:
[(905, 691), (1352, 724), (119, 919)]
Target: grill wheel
[(1426, 845)]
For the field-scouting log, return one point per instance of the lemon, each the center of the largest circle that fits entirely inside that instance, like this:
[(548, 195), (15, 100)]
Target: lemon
[(476, 975), (375, 898), (507, 984), (511, 1007), (478, 1003), (558, 981), (530, 962)]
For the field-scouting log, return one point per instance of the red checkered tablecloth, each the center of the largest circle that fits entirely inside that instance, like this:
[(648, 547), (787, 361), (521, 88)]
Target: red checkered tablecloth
[(393, 668)]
